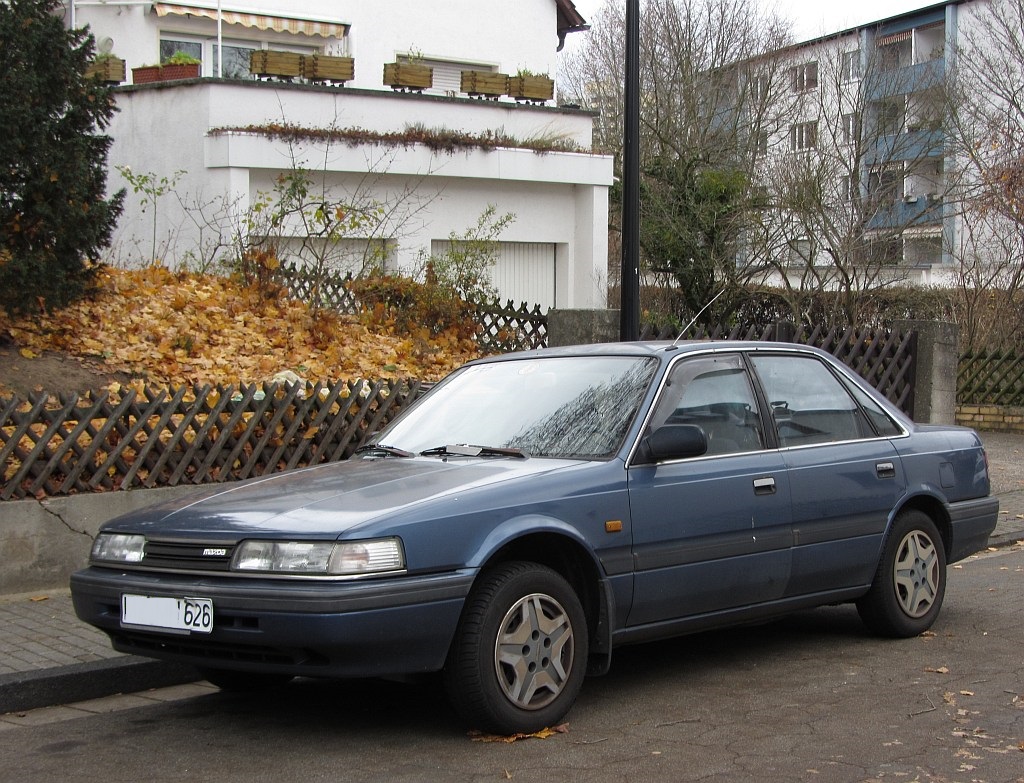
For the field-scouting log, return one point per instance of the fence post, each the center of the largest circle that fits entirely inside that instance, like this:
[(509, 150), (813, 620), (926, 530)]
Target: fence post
[(576, 327), (935, 370), (785, 331)]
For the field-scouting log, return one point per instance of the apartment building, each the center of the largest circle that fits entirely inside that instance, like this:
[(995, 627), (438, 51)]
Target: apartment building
[(853, 150)]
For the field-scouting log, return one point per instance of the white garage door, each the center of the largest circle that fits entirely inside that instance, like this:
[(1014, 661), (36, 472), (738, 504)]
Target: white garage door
[(523, 272)]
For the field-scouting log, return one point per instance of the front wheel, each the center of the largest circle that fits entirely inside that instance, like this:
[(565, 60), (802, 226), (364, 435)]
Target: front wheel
[(520, 650), (910, 583)]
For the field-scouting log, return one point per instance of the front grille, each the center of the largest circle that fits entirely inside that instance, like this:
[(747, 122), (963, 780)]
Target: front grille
[(188, 555)]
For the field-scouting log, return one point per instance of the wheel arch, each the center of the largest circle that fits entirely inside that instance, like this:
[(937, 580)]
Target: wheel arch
[(936, 511), (577, 564)]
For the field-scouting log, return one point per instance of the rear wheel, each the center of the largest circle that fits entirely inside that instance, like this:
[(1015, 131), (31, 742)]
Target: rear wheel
[(243, 682), (910, 583), (520, 651)]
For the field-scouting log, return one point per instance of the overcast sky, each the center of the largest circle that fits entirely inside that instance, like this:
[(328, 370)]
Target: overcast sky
[(813, 18)]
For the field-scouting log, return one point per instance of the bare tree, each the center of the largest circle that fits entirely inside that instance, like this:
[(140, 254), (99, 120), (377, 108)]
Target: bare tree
[(702, 117), (989, 136), (860, 169)]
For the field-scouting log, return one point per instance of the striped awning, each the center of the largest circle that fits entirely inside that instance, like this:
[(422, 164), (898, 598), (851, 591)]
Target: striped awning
[(281, 24), (887, 40)]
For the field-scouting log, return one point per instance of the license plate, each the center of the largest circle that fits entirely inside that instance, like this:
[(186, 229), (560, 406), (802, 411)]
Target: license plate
[(184, 615)]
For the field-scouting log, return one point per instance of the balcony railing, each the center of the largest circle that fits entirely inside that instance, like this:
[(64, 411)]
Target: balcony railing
[(912, 211), (905, 80)]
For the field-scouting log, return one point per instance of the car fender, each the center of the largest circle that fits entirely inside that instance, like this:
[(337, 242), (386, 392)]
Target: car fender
[(518, 530), (927, 498), (523, 526)]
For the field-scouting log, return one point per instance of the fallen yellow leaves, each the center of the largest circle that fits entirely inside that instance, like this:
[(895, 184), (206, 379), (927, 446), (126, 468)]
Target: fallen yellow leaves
[(479, 736), (182, 329)]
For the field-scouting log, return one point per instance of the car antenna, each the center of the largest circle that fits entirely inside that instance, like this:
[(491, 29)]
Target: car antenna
[(699, 314)]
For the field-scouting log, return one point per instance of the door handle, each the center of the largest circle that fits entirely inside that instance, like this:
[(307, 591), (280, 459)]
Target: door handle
[(885, 470), (764, 486)]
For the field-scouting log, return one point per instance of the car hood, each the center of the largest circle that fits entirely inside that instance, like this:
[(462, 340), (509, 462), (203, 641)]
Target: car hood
[(328, 500)]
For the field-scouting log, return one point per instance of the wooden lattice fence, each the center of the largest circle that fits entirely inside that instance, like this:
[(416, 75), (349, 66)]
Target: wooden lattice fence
[(885, 358), (101, 441), (64, 444), (503, 328), (990, 378)]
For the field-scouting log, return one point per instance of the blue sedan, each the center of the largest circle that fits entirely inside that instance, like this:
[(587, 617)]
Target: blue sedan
[(535, 511)]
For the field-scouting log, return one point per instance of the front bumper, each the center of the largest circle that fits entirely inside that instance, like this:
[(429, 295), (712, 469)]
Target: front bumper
[(319, 629)]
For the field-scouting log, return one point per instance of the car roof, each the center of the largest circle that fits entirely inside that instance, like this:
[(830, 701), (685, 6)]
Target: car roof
[(661, 349)]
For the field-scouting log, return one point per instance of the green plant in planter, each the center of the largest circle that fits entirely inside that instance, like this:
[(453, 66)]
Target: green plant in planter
[(531, 87), (181, 58), (106, 67)]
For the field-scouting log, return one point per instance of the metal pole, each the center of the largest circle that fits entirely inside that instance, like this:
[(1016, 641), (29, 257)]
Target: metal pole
[(629, 313), (220, 42)]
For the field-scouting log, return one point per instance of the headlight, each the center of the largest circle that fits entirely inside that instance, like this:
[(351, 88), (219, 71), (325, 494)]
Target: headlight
[(119, 548), (320, 558)]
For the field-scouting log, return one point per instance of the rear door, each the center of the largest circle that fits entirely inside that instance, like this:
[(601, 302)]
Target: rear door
[(845, 475)]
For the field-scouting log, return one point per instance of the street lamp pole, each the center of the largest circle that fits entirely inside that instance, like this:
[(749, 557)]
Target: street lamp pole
[(629, 312)]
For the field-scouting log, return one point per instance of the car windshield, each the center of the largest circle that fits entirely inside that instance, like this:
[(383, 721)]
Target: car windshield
[(569, 407)]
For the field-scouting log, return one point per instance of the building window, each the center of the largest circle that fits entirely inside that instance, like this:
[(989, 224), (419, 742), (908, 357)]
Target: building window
[(803, 136), (761, 143), (885, 184), (851, 128), (236, 60), (892, 116), (848, 189), (236, 53), (170, 46), (851, 66), (804, 77), (895, 51), (760, 86)]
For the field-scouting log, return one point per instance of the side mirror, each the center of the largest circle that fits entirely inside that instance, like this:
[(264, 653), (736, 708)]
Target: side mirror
[(674, 441)]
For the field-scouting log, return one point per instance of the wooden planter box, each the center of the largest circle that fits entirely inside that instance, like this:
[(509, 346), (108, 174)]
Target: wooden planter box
[(485, 84), (405, 76), (324, 68), (164, 73), (282, 65), (110, 70), (534, 89)]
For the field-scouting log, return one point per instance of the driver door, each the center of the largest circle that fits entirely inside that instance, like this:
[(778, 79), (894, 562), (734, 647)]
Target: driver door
[(712, 532)]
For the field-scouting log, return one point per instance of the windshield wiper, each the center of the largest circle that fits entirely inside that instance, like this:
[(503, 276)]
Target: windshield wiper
[(389, 451), (465, 450)]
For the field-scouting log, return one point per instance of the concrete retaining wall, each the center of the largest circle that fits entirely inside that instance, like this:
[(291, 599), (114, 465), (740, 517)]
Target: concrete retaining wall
[(42, 542)]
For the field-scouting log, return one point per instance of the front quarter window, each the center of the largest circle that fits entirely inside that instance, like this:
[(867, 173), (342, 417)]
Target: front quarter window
[(578, 407)]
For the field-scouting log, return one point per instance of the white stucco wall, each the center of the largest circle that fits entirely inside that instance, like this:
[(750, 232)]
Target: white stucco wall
[(163, 132), (557, 198)]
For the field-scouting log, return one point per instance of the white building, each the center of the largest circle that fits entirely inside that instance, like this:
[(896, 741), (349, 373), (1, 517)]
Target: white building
[(206, 154)]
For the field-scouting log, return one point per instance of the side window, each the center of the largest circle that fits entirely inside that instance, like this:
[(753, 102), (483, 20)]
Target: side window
[(883, 424), (809, 404), (714, 393)]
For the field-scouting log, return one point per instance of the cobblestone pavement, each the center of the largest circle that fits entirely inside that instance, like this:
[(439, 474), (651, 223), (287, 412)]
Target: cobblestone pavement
[(47, 656)]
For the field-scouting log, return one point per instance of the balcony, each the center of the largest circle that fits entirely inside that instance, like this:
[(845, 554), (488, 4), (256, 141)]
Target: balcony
[(908, 79), (916, 212), (910, 144)]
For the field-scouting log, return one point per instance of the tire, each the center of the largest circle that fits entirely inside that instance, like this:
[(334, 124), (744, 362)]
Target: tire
[(910, 583), (243, 682), (520, 651)]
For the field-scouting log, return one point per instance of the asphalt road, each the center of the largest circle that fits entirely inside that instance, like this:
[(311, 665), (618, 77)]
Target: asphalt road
[(811, 697)]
